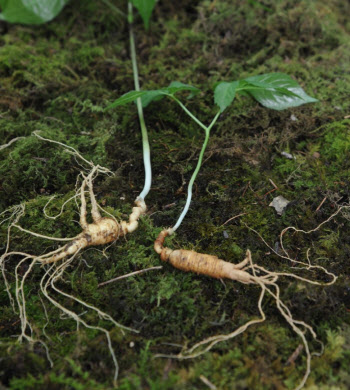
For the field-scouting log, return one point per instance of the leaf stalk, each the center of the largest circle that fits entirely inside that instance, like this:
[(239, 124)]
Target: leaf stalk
[(199, 163), (145, 142)]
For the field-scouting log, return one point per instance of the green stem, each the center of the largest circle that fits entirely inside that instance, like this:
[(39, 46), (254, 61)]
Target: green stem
[(145, 143), (195, 173), (189, 113), (114, 8)]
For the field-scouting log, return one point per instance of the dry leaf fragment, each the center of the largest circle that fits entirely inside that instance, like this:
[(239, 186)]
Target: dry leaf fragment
[(279, 204)]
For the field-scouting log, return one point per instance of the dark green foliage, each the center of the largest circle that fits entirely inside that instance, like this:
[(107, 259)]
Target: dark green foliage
[(30, 12), (55, 78), (145, 8), (276, 91)]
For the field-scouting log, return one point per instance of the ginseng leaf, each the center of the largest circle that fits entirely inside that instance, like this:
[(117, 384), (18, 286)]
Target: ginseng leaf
[(152, 95), (145, 8), (30, 11), (277, 91), (174, 86), (127, 98), (225, 93)]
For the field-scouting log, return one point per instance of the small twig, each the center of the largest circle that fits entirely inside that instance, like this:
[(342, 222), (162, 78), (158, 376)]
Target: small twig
[(70, 70), (320, 205), (210, 156), (273, 190), (167, 206), (270, 192), (207, 382), (130, 274), (173, 345), (167, 369), (293, 357), (232, 218), (273, 184), (245, 189)]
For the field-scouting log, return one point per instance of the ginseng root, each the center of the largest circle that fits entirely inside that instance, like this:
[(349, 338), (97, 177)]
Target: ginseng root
[(244, 272), (52, 275), (207, 264), (103, 230)]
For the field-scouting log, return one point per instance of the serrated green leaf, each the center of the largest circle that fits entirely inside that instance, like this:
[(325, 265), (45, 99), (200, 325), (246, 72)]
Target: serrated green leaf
[(277, 91), (225, 93), (127, 98), (145, 8), (30, 11), (176, 86), (152, 95), (146, 97)]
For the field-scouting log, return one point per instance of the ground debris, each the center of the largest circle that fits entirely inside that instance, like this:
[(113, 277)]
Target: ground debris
[(279, 204)]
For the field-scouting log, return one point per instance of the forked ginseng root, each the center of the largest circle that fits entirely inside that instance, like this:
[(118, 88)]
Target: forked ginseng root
[(102, 230)]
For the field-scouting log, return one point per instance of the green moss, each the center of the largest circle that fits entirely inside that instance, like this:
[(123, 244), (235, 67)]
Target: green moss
[(57, 78), (77, 380)]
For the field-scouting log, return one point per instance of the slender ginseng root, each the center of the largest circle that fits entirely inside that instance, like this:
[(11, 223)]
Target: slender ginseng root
[(244, 272), (102, 231), (204, 264)]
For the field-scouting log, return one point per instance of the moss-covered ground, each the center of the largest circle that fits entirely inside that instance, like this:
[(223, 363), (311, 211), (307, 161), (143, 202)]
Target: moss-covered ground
[(58, 77)]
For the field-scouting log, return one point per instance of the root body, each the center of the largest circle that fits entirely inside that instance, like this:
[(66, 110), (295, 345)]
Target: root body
[(98, 233), (200, 263), (102, 231)]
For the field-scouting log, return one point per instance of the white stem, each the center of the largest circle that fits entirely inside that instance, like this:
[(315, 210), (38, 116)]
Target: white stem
[(145, 143)]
